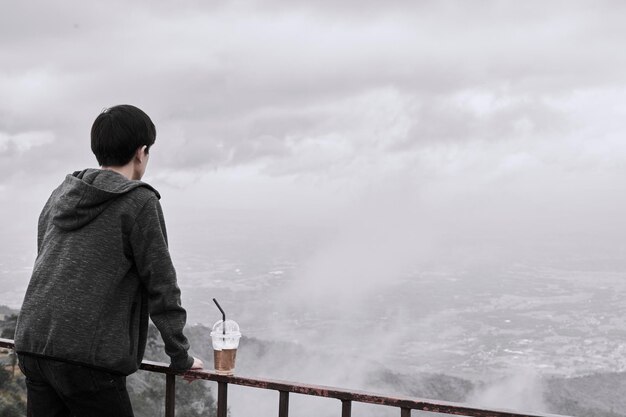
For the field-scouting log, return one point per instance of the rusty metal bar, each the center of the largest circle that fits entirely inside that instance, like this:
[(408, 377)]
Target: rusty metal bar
[(329, 392), (346, 408), (283, 404), (7, 343), (170, 395), (222, 399), (405, 412), (343, 394)]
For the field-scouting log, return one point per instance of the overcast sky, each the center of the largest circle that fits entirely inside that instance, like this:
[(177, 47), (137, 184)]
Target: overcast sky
[(424, 122)]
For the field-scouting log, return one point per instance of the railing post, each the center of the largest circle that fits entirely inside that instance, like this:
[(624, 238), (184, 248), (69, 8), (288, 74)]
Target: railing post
[(405, 412), (283, 405), (346, 408), (222, 399), (170, 394)]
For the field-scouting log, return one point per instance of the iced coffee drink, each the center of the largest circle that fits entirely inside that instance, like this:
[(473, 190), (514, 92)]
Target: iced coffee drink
[(225, 338), (225, 361)]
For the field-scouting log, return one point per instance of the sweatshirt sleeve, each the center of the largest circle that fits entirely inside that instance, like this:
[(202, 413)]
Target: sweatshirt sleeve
[(42, 223), (155, 268)]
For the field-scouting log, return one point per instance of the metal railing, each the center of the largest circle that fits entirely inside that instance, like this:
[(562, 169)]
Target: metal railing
[(284, 388)]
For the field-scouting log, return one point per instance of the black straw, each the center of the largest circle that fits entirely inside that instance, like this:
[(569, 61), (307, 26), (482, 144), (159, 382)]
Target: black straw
[(223, 316)]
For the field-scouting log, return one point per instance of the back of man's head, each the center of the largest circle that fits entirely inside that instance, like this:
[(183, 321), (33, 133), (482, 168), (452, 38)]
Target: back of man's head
[(118, 132)]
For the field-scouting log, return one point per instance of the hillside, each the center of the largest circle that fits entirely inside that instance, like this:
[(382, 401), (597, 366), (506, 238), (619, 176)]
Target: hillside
[(600, 395)]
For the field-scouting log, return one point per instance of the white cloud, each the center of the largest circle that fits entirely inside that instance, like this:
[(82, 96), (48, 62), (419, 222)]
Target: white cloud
[(236, 81), (23, 142), (517, 98)]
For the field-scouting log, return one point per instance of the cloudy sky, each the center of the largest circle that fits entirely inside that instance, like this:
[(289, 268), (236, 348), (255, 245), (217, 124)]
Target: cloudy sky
[(487, 124)]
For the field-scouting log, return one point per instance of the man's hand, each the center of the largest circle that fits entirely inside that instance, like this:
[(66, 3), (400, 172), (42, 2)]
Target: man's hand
[(197, 364)]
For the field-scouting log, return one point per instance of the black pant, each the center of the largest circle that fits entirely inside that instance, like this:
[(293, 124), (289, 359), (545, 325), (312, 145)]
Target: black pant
[(60, 389)]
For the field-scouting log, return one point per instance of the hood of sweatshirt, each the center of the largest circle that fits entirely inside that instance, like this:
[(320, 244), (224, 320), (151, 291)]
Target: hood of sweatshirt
[(85, 194)]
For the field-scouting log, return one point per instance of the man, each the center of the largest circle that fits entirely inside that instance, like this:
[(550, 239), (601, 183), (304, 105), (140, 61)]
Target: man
[(102, 268)]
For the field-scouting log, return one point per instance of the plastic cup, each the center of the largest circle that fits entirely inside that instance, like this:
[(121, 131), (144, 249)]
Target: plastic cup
[(225, 344)]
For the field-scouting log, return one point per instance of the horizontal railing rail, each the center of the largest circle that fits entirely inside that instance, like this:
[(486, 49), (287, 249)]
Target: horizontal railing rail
[(284, 388)]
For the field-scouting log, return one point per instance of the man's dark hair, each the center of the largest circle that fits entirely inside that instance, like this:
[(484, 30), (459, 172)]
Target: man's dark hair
[(118, 132)]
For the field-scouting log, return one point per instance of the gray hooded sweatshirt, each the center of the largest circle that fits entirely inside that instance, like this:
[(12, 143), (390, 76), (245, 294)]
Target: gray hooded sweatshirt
[(102, 268)]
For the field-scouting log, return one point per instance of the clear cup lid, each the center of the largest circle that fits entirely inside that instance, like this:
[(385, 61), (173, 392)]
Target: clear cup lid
[(232, 328)]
